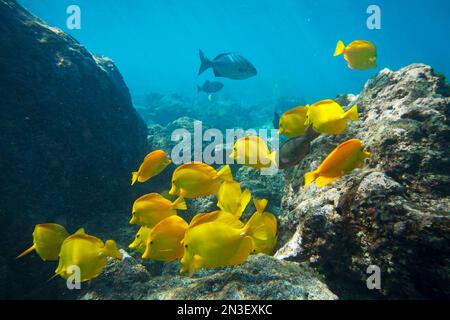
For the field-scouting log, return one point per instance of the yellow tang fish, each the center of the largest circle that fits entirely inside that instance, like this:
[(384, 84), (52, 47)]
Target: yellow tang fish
[(140, 239), (254, 152), (269, 221), (342, 160), (328, 117), (151, 208), (214, 241), (164, 240), (87, 253), (360, 54), (154, 163), (47, 241), (231, 198), (196, 179), (292, 122)]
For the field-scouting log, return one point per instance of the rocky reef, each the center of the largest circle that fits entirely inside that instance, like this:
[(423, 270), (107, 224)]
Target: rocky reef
[(261, 277), (394, 212), (69, 138), (163, 109)]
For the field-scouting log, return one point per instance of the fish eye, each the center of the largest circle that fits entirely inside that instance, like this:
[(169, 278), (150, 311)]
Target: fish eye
[(134, 213), (151, 242), (185, 245), (138, 236)]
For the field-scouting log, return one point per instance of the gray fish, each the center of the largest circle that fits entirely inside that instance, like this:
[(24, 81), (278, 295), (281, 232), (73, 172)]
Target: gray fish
[(295, 149), (228, 65), (210, 87)]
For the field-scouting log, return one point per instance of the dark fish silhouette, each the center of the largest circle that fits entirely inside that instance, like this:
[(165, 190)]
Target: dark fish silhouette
[(294, 150), (228, 65), (276, 120), (210, 87)]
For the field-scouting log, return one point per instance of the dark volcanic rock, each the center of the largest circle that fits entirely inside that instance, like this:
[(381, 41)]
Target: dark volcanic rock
[(69, 140), (394, 213)]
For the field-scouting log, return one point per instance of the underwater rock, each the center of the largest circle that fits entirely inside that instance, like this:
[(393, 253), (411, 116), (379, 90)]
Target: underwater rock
[(219, 112), (260, 277), (394, 213), (69, 138), (262, 187)]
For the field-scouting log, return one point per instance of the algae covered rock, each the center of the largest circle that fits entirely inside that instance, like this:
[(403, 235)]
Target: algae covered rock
[(261, 277), (69, 138), (393, 213)]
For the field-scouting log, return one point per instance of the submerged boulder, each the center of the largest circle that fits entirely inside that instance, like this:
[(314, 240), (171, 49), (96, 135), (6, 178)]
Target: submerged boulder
[(69, 139), (394, 212), (260, 277)]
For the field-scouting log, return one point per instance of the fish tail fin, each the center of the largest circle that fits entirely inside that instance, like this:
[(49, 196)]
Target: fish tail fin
[(245, 199), (340, 48), (260, 204), (179, 204), (352, 114), (310, 177), (111, 250), (225, 173), (134, 177), (26, 251), (205, 62)]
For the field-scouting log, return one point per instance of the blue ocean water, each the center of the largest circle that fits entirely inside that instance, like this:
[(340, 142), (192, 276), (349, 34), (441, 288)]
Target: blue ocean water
[(155, 43)]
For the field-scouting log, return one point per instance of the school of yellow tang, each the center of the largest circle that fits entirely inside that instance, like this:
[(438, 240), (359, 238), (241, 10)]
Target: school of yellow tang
[(219, 238)]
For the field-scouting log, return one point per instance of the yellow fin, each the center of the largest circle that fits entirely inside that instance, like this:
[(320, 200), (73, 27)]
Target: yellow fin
[(322, 181), (179, 204), (26, 251), (53, 277), (80, 231), (260, 205), (245, 199), (225, 173), (352, 114), (196, 264), (340, 48), (255, 227), (310, 177), (134, 177), (111, 250)]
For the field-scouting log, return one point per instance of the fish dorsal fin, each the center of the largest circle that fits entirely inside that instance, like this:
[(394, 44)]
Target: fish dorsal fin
[(150, 196), (245, 199), (219, 216), (221, 56), (80, 231), (296, 110)]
